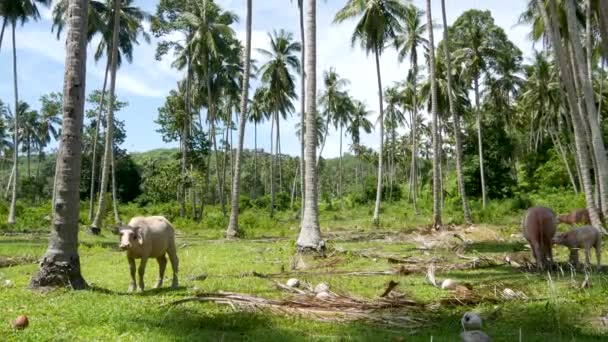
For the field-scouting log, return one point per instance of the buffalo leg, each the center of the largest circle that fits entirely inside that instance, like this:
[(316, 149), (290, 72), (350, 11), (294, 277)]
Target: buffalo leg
[(174, 265), (162, 264), (133, 285), (141, 271)]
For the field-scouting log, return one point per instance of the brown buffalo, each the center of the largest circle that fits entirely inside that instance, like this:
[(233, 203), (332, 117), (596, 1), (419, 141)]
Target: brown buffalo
[(583, 237), (577, 216), (539, 225)]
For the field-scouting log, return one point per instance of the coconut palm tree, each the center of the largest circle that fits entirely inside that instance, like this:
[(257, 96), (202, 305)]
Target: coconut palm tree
[(378, 24), (435, 126), (551, 28), (100, 22), (334, 100), (109, 144), (60, 265), (358, 122), (310, 232), (15, 12), (410, 38), (277, 74), (393, 119), (258, 113), (456, 117), (28, 131), (49, 120), (302, 97), (233, 225)]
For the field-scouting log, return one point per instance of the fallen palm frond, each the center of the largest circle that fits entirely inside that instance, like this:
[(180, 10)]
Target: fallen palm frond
[(336, 308), (8, 262)]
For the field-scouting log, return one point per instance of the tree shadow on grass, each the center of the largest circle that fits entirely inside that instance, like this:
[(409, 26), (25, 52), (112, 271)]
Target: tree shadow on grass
[(490, 246), (147, 292)]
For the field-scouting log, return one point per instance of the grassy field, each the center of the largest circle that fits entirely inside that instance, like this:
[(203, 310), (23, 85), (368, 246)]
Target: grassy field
[(556, 310)]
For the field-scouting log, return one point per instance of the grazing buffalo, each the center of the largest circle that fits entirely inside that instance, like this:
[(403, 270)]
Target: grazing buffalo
[(539, 225), (583, 237), (575, 217)]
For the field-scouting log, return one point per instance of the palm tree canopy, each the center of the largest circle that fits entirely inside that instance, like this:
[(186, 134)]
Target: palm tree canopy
[(101, 21), (410, 36), (282, 60), (22, 10), (359, 122), (378, 24)]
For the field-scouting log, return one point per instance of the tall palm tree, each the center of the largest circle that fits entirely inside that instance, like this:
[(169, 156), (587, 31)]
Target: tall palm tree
[(341, 119), (551, 28), (358, 122), (378, 24), (233, 225), (585, 83), (335, 101), (393, 119), (302, 97), (476, 46), (310, 232), (277, 74), (49, 120), (29, 132), (258, 113), (100, 22), (60, 265), (18, 11), (456, 116), (435, 127), (408, 42), (109, 144)]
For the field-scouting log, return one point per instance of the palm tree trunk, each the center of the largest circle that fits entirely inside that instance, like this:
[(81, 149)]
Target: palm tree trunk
[(4, 22), (114, 194), (10, 182), (109, 144), (60, 265), (603, 19), (456, 117), (278, 150), (484, 197), (376, 218), (293, 186), (95, 136), (13, 207), (255, 160), (184, 144), (551, 28), (310, 233), (29, 156), (225, 161), (233, 225), (599, 149), (272, 163), (39, 164), (302, 104), (324, 140), (564, 156), (340, 173), (588, 41), (435, 126), (218, 174), (414, 170)]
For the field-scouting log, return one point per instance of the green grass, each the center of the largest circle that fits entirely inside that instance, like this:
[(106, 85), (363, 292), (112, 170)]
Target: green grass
[(108, 313)]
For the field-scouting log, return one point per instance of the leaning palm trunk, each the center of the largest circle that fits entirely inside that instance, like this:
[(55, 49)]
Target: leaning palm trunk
[(302, 104), (562, 153), (599, 151), (310, 233), (340, 173), (324, 140), (551, 28), (435, 127), (109, 144), (60, 265), (376, 218), (10, 182), (95, 136), (13, 208), (456, 116), (272, 164), (254, 188), (114, 194), (4, 22), (278, 151), (233, 225), (484, 197)]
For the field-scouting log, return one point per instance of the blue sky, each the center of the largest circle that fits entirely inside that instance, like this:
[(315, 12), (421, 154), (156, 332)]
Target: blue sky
[(145, 82)]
